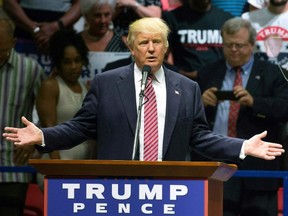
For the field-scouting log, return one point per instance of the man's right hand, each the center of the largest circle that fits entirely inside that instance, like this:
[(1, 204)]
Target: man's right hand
[(29, 135)]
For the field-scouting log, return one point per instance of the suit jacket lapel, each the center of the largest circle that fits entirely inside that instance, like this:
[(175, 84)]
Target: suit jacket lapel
[(255, 77), (172, 107), (127, 94), (219, 76), (128, 98)]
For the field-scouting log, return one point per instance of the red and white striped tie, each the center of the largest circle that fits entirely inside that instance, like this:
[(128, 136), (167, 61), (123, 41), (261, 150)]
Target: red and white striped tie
[(150, 123)]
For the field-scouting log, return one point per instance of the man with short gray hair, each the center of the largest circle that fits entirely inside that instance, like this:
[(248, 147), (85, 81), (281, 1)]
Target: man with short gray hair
[(243, 96)]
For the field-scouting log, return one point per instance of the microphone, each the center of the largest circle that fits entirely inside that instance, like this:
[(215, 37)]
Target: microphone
[(145, 72)]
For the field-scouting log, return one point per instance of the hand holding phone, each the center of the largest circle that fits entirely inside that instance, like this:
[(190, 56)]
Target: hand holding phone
[(225, 95)]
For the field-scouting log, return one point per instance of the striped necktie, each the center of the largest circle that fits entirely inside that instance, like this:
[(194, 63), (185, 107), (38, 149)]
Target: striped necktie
[(150, 123)]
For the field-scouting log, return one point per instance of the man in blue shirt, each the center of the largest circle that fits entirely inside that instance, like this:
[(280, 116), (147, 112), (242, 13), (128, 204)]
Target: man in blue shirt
[(263, 100)]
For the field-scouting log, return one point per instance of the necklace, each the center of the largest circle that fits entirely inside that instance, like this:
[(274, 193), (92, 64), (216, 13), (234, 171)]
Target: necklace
[(96, 38)]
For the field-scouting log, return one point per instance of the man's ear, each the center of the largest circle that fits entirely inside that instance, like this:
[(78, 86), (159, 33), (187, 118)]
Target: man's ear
[(132, 52)]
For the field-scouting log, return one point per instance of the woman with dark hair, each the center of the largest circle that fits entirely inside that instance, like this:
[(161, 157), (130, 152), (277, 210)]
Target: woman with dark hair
[(61, 95), (61, 41)]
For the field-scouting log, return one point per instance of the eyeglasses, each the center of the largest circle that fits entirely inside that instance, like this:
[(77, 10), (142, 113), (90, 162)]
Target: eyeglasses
[(236, 45)]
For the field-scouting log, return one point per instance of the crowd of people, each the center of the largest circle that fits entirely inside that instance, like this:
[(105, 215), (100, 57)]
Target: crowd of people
[(220, 85)]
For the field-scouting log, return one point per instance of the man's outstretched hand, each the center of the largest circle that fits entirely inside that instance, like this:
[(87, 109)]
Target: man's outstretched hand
[(256, 147), (29, 135)]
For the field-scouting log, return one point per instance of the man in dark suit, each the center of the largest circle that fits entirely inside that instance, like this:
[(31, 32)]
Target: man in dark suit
[(109, 111), (263, 99)]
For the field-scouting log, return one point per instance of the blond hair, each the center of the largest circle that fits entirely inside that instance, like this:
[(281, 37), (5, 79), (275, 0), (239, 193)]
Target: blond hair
[(149, 25)]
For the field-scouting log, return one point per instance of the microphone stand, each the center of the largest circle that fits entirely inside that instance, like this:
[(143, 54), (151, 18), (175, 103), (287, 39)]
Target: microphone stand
[(145, 72), (138, 126)]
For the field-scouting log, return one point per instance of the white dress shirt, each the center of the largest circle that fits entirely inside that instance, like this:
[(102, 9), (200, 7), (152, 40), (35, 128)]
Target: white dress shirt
[(159, 85)]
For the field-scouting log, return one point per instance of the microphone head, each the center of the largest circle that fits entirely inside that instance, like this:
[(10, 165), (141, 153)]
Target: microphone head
[(146, 68)]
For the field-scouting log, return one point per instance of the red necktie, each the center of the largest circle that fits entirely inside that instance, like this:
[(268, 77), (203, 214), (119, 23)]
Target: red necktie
[(234, 107), (150, 124)]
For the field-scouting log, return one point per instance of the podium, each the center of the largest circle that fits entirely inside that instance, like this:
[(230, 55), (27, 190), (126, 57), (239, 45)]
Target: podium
[(134, 188)]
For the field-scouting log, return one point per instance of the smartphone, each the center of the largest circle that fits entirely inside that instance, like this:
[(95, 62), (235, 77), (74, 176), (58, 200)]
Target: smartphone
[(225, 95)]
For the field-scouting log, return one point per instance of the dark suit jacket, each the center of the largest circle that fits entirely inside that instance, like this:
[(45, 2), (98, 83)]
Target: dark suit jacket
[(109, 114), (270, 92)]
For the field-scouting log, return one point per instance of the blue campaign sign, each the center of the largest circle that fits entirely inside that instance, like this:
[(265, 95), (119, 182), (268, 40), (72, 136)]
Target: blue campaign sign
[(131, 197), (29, 48)]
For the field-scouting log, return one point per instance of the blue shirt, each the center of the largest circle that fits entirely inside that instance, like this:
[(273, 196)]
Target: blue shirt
[(221, 120)]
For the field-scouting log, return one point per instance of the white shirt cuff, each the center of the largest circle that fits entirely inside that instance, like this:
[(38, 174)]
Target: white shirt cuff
[(43, 141), (242, 155)]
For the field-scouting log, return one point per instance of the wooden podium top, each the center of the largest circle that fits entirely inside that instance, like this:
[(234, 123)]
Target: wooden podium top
[(125, 168)]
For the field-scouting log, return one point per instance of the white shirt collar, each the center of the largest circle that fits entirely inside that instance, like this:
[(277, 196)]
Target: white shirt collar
[(159, 75)]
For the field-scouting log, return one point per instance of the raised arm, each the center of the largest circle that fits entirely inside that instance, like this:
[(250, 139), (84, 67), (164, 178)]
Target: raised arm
[(47, 29), (72, 15), (14, 10), (141, 10)]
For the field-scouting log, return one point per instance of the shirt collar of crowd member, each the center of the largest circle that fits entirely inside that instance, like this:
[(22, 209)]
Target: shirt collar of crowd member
[(11, 61), (245, 68)]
